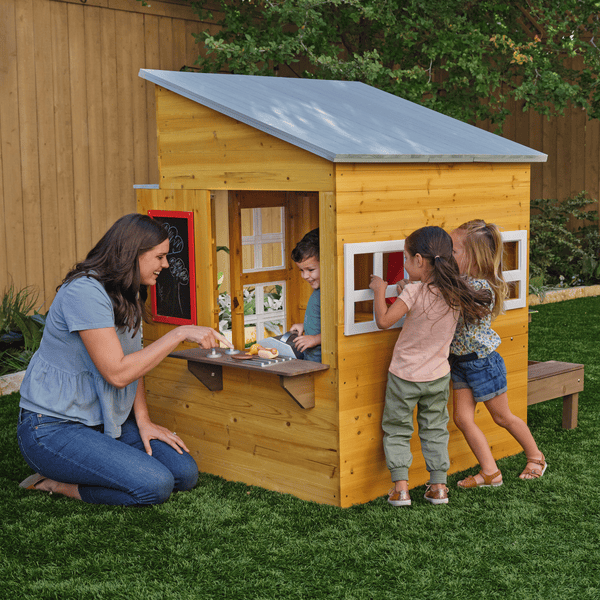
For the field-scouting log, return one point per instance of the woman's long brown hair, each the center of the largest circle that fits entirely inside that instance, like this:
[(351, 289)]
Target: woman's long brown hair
[(435, 246), (113, 261)]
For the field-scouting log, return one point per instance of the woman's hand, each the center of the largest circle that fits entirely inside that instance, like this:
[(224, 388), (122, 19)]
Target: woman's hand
[(205, 337), (152, 431)]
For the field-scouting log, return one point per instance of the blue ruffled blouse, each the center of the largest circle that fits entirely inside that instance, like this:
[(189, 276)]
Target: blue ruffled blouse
[(61, 380)]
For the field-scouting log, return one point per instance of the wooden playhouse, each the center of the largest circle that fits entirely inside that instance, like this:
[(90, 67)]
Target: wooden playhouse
[(367, 168)]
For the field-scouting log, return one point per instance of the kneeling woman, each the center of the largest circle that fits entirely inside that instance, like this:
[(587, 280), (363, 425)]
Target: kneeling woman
[(84, 425)]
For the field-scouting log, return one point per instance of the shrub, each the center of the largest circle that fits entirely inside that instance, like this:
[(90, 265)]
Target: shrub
[(559, 255), (20, 331)]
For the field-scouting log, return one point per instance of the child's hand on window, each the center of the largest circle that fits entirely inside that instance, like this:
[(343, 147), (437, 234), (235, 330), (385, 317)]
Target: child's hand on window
[(402, 284), (377, 284)]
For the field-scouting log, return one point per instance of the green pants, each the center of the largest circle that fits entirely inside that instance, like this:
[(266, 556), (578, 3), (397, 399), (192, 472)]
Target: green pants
[(431, 400)]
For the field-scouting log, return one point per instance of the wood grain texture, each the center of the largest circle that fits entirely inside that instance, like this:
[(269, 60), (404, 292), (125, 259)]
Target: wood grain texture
[(199, 147)]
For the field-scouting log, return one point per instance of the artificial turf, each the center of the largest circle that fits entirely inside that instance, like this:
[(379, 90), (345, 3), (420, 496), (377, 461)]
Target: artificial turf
[(524, 540)]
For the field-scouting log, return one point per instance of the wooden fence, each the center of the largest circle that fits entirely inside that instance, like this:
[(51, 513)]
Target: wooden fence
[(77, 127)]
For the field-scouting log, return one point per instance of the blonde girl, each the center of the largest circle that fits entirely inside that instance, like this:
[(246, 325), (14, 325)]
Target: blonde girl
[(432, 299), (478, 371)]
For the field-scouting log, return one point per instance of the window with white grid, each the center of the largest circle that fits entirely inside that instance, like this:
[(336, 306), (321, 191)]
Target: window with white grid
[(263, 239), (515, 274), (264, 309)]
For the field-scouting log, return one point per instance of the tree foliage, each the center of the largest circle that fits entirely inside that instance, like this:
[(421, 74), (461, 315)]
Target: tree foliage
[(462, 58)]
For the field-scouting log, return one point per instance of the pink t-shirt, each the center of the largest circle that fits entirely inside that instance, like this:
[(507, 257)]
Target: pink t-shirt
[(421, 352)]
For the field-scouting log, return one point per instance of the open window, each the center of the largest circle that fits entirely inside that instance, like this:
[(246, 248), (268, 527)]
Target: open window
[(261, 293), (358, 298)]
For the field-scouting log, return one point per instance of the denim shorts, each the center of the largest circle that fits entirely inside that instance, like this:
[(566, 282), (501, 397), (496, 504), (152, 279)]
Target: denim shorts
[(485, 376)]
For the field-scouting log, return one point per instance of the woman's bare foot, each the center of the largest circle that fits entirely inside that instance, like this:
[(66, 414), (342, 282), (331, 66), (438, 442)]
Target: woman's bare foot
[(43, 484)]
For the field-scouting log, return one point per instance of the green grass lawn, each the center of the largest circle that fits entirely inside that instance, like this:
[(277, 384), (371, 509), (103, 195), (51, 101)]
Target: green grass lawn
[(524, 540)]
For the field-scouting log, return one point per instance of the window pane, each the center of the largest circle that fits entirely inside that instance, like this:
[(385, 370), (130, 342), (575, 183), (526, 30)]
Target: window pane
[(271, 219), (273, 298), (247, 222), (272, 255), (273, 328), (247, 257), (249, 300)]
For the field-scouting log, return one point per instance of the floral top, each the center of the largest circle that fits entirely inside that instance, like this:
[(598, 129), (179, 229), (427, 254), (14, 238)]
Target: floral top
[(480, 337)]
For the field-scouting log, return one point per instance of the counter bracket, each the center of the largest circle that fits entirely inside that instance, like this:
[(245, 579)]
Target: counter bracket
[(293, 376), (210, 375), (301, 388)]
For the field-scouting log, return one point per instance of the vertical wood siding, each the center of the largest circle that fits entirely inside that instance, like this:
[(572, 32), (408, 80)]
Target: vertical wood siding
[(77, 124)]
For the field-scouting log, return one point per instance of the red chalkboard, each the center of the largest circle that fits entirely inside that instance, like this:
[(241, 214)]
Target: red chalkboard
[(174, 295)]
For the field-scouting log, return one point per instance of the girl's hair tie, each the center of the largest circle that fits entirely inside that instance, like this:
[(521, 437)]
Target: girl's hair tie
[(436, 256)]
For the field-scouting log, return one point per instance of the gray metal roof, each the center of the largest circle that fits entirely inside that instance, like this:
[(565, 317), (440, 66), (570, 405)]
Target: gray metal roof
[(343, 121)]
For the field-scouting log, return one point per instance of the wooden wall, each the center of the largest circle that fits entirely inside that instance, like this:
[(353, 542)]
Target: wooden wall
[(387, 202), (251, 431), (77, 127), (77, 124)]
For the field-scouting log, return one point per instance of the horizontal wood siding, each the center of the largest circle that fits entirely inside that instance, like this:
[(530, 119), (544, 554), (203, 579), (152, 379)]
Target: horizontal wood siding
[(386, 202), (251, 431), (199, 147)]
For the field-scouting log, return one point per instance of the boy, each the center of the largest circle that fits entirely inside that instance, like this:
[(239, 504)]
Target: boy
[(306, 257)]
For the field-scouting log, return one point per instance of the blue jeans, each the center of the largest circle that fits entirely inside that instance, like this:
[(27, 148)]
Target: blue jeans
[(485, 376), (106, 470)]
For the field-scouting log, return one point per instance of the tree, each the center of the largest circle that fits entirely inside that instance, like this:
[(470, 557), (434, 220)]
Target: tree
[(462, 58)]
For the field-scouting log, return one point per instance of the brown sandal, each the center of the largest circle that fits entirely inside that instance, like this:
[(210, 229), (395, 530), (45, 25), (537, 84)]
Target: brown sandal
[(30, 483), (535, 473), (470, 482)]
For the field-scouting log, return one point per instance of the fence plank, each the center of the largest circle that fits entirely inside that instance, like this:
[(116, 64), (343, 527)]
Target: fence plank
[(63, 141), (125, 197), (97, 142), (79, 116), (141, 158), (110, 115), (28, 123), (13, 235), (48, 226)]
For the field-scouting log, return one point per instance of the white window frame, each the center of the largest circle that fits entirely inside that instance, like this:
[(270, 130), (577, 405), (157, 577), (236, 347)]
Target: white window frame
[(378, 249), (520, 273), (352, 296), (259, 239), (262, 316)]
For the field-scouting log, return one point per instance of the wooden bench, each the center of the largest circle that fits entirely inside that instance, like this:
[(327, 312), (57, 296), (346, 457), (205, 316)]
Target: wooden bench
[(552, 379)]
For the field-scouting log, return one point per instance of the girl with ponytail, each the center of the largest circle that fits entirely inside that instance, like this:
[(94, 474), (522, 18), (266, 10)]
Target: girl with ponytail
[(433, 299)]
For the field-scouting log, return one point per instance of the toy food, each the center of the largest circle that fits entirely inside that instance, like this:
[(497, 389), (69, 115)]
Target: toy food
[(268, 353)]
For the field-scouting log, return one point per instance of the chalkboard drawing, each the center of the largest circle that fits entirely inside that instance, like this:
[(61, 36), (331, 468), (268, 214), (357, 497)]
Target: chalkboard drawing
[(177, 267), (174, 295)]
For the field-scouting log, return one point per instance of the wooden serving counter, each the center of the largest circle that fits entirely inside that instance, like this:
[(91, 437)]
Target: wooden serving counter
[(296, 377)]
